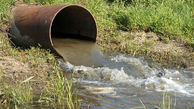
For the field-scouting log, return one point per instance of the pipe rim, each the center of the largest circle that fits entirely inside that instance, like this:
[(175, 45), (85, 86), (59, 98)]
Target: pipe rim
[(54, 16)]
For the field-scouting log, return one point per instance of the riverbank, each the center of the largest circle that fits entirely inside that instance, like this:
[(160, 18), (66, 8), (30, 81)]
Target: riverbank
[(168, 53), (159, 32), (138, 28)]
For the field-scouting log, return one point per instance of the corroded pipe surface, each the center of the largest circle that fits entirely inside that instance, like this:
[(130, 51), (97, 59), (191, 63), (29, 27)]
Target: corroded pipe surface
[(34, 25)]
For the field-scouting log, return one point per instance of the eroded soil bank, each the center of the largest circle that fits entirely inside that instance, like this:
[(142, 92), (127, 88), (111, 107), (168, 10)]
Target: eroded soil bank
[(169, 53), (37, 66)]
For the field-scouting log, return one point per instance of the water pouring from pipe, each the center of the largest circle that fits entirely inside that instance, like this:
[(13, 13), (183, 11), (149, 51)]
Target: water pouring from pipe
[(57, 27), (78, 52)]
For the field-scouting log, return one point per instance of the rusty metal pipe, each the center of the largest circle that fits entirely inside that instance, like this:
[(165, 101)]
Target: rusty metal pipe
[(34, 25)]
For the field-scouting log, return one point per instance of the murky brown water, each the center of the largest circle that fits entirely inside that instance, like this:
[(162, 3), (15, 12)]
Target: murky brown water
[(122, 81), (78, 52)]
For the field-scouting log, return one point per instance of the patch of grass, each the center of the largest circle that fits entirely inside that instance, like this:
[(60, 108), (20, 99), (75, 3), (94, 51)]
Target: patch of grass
[(122, 21), (172, 19), (147, 44), (39, 1), (165, 39), (19, 94), (41, 64), (168, 17), (59, 92), (5, 5)]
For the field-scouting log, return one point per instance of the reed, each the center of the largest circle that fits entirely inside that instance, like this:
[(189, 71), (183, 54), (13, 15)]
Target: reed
[(19, 94), (167, 102), (59, 92)]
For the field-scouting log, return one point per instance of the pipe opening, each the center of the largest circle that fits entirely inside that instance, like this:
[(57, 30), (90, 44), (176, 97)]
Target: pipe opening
[(73, 35), (74, 22), (59, 28)]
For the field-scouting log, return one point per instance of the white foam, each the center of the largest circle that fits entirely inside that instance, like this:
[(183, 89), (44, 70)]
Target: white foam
[(123, 58), (100, 73), (171, 81), (164, 84)]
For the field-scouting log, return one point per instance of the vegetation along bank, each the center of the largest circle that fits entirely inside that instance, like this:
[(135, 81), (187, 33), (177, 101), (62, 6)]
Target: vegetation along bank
[(161, 30)]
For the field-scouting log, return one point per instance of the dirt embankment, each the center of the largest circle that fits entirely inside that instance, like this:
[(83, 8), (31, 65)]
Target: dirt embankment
[(169, 53)]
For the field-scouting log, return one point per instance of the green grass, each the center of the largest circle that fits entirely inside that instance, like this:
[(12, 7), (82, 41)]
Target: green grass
[(59, 92), (4, 12), (19, 94), (170, 19), (42, 66)]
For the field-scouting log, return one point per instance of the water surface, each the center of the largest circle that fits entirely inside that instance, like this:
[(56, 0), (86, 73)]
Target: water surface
[(123, 81), (78, 52)]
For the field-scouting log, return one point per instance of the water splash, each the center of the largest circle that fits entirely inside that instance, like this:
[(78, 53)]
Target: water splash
[(122, 78), (172, 80)]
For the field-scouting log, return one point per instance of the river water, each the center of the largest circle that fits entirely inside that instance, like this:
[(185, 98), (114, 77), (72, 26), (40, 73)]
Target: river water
[(120, 81)]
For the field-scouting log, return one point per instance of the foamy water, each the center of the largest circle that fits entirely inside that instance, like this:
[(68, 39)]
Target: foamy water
[(173, 80), (122, 75), (122, 80)]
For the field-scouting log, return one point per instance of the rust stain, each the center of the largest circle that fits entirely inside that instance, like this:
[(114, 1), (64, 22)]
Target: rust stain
[(34, 25)]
